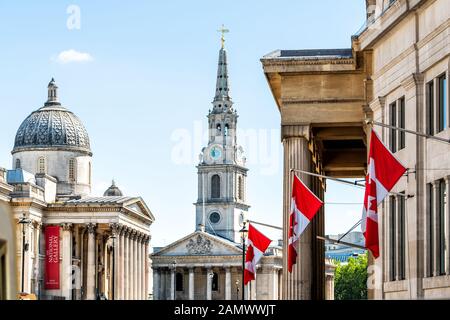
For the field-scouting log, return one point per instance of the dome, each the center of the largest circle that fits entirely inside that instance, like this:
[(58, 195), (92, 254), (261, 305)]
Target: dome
[(52, 126), (113, 191)]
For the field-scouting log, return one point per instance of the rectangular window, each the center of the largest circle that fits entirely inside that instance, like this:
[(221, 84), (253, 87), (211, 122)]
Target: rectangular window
[(41, 165), (442, 103), (402, 237), (430, 230), (392, 235), (401, 123), (71, 170), (393, 122), (441, 222)]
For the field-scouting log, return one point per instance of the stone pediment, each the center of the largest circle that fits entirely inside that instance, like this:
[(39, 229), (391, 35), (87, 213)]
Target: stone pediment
[(200, 244)]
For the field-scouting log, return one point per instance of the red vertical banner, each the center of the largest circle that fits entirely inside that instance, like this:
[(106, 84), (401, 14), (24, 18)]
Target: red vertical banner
[(52, 257)]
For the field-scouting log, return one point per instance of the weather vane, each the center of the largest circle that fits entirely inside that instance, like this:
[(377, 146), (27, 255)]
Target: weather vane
[(223, 30)]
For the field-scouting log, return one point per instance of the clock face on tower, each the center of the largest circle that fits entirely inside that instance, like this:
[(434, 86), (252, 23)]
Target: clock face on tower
[(215, 152)]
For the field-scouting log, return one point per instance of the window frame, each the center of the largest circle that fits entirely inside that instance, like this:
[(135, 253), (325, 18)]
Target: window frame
[(441, 102), (215, 187), (42, 165)]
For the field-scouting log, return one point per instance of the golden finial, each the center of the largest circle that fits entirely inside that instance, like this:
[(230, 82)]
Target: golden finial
[(223, 30)]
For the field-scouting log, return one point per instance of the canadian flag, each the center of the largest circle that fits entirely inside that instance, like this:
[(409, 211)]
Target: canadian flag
[(383, 172), (304, 206), (257, 245)]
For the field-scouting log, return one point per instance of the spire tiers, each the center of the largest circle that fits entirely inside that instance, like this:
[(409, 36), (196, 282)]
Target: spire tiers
[(52, 93), (222, 100)]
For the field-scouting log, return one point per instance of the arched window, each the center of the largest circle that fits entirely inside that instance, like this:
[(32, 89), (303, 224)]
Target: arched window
[(227, 127), (72, 170), (240, 188), (179, 281), (218, 129), (215, 282), (215, 186), (17, 163), (41, 165)]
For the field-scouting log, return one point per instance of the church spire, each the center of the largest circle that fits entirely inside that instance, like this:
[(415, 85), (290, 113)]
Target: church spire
[(222, 99), (52, 93)]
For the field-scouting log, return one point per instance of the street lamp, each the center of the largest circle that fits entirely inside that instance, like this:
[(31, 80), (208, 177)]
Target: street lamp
[(237, 288), (243, 233), (24, 221)]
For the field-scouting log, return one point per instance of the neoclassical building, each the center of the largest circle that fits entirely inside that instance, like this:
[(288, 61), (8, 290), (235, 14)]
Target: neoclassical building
[(207, 264), (77, 246), (395, 74)]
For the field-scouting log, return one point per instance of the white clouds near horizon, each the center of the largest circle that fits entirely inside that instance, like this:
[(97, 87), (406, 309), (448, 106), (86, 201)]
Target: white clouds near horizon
[(71, 55)]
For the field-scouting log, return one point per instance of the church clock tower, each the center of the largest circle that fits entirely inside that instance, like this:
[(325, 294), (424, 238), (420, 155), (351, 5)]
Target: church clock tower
[(222, 174)]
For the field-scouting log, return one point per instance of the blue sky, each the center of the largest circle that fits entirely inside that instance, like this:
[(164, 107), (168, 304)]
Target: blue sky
[(150, 75)]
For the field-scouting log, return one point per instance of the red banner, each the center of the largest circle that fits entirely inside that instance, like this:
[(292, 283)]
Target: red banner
[(52, 257)]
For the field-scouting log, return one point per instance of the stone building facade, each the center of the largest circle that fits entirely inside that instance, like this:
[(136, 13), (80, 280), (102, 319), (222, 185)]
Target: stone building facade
[(103, 241), (207, 264), (396, 73)]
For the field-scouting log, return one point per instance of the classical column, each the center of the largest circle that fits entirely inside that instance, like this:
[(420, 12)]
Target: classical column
[(208, 284), (298, 284), (115, 276), (37, 269), (135, 266), (131, 263), (126, 264), (66, 283), (156, 284), (143, 268), (148, 277), (172, 283), (121, 264), (191, 284), (90, 274), (227, 283), (139, 267)]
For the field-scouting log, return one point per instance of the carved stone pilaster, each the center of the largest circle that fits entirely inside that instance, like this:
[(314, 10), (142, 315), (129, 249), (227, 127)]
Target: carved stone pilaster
[(414, 79)]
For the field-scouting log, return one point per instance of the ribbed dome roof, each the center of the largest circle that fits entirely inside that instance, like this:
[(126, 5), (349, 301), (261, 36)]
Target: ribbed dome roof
[(113, 191), (52, 126)]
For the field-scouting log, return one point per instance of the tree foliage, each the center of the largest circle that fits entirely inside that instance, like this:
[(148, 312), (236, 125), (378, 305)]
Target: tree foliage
[(351, 279)]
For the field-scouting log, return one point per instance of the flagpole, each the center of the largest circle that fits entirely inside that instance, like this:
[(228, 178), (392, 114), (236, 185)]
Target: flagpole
[(428, 136), (341, 242), (355, 184), (264, 224)]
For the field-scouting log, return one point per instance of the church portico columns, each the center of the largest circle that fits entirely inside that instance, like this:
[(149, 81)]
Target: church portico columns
[(156, 284), (172, 283), (227, 283), (209, 278), (191, 283), (90, 274)]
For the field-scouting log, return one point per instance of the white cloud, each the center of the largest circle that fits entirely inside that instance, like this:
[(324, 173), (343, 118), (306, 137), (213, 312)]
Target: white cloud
[(72, 55)]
